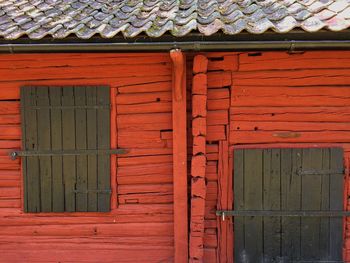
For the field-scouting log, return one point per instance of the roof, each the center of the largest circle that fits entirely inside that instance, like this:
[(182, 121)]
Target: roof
[(58, 19)]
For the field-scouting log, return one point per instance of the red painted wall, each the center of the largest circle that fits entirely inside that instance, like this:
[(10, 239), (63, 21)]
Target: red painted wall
[(311, 92), (140, 229), (273, 97), (270, 99)]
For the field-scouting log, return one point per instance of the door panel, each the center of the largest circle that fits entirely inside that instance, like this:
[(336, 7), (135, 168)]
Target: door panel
[(288, 180)]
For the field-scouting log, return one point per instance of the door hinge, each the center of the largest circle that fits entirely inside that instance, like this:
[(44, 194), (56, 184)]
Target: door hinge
[(309, 213), (320, 172)]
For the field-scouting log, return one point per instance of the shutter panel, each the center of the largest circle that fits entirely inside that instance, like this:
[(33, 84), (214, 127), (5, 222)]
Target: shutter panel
[(91, 98), (30, 142), (60, 120), (68, 143), (103, 143), (57, 145), (81, 134), (44, 143), (288, 180)]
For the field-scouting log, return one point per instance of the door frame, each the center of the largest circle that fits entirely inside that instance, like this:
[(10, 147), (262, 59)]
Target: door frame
[(225, 190)]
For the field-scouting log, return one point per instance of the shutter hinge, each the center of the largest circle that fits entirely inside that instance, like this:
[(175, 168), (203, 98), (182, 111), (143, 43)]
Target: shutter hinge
[(17, 153), (104, 191), (66, 107)]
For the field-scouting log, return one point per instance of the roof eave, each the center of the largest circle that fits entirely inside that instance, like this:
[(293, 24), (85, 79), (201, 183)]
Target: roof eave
[(296, 40)]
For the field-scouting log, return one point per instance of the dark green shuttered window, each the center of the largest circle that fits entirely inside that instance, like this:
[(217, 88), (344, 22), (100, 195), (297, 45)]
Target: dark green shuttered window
[(64, 131), (288, 180)]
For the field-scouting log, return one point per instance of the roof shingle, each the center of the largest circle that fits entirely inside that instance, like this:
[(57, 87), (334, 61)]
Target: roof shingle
[(85, 18)]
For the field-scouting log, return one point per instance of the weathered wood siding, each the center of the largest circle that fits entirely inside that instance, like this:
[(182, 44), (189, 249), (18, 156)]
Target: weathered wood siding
[(284, 98), (141, 227), (310, 90), (269, 98), (211, 86), (252, 99)]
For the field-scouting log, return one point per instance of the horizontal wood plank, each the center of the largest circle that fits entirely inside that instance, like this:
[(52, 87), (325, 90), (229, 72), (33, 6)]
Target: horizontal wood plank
[(291, 114), (282, 95)]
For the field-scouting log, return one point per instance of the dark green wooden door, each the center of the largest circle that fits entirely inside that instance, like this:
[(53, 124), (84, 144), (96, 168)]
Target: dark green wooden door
[(288, 180)]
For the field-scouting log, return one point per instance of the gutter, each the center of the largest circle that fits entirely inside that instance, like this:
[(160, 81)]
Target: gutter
[(288, 45)]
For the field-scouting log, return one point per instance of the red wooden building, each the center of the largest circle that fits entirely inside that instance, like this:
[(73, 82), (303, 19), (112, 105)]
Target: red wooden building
[(174, 131)]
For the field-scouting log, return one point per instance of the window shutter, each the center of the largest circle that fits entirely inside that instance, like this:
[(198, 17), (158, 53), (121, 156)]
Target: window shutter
[(66, 136)]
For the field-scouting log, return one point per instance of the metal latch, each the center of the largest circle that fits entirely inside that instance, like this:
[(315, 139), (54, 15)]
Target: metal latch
[(18, 153), (223, 215)]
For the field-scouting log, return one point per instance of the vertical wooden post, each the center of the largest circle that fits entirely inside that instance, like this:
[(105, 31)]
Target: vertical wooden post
[(199, 158), (225, 202), (345, 203), (114, 200), (180, 156)]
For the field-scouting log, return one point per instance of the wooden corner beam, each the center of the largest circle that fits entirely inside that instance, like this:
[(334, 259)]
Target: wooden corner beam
[(199, 158), (179, 156)]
